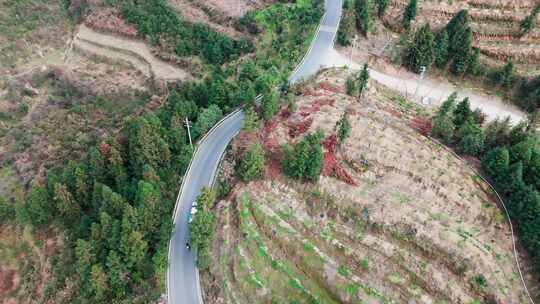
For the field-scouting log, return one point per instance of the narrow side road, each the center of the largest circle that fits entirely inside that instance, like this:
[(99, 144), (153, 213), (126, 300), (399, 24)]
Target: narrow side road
[(431, 92)]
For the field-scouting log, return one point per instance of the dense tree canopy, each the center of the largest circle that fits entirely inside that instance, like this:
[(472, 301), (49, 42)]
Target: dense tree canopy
[(421, 52), (156, 19)]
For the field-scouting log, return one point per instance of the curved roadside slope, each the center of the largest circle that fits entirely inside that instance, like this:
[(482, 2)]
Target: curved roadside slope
[(135, 52), (182, 276)]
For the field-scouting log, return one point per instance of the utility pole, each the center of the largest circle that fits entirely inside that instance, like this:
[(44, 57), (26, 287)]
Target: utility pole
[(189, 132), (354, 45), (422, 73)]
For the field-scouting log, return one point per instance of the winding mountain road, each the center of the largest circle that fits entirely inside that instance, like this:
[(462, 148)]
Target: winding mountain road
[(183, 285)]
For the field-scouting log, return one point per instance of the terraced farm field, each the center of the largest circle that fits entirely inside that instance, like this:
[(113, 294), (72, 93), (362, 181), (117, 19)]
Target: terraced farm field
[(405, 222), (495, 24)]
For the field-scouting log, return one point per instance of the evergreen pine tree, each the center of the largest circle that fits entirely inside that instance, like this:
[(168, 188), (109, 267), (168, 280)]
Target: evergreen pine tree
[(448, 106), (454, 27), (116, 274), (530, 21), (382, 5), (37, 210), (363, 79), (99, 282), (422, 51), (506, 76), (304, 160), (409, 14), (470, 138), (522, 151), (497, 133), (444, 128), (251, 122), (474, 62), (346, 27), (463, 43), (463, 112), (343, 127), (252, 164), (496, 162), (146, 144), (363, 15), (532, 171), (443, 123), (441, 49), (270, 104)]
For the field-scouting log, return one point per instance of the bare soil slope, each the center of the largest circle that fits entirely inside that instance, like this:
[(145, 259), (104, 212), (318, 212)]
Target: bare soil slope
[(135, 52), (411, 224)]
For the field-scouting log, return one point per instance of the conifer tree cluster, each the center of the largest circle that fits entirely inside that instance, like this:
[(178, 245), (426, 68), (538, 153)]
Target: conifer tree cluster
[(359, 14), (459, 125), (252, 163), (453, 45), (422, 51), (304, 160), (510, 157)]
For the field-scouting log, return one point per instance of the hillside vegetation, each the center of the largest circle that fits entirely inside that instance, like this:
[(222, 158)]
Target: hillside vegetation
[(100, 217), (387, 216)]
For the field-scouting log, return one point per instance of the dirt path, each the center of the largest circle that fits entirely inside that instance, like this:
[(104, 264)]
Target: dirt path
[(432, 92), (135, 52)]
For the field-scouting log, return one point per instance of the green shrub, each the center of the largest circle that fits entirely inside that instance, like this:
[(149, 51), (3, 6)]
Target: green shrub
[(304, 160), (253, 163)]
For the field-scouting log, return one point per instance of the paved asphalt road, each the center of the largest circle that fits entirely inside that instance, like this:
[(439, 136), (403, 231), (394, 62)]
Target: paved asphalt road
[(182, 276)]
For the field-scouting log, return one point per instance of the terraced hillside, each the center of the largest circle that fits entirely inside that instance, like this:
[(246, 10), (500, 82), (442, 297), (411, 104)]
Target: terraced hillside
[(495, 24), (395, 218)]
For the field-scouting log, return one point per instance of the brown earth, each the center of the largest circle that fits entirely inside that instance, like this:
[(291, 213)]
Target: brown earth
[(136, 52), (26, 263)]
